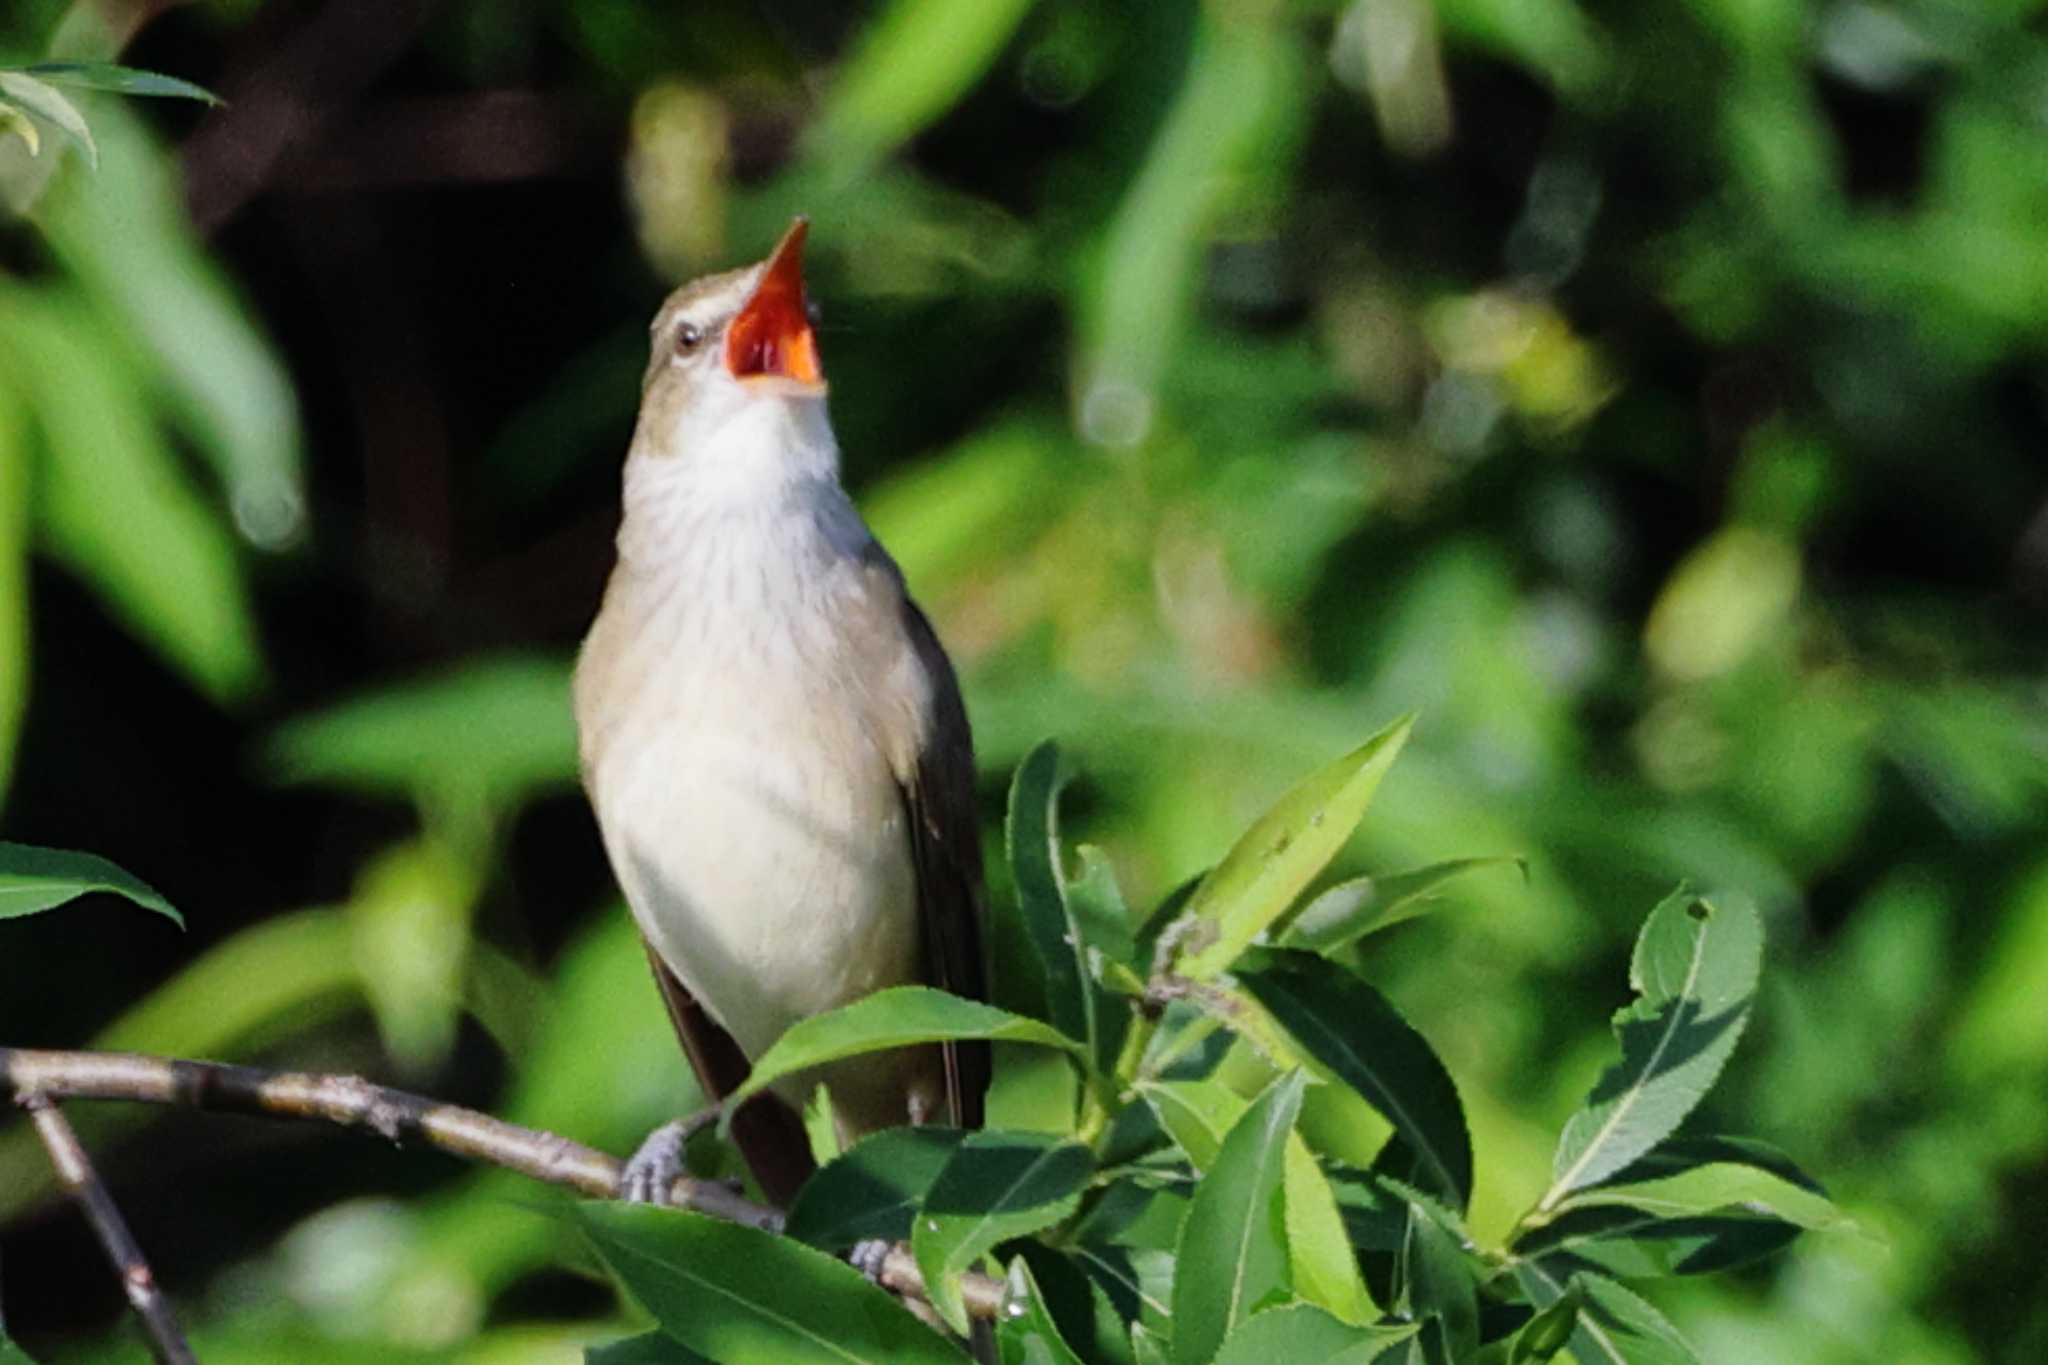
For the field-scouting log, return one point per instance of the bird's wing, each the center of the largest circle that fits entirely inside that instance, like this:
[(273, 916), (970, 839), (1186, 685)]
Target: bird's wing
[(767, 1131), (936, 777)]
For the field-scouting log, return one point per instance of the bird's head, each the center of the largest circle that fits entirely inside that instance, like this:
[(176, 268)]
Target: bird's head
[(731, 347)]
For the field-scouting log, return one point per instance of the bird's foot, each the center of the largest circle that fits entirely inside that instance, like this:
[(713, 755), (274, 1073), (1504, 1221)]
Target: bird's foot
[(867, 1257), (652, 1170)]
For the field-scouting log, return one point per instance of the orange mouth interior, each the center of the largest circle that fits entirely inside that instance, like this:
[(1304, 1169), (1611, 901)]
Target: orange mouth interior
[(772, 334)]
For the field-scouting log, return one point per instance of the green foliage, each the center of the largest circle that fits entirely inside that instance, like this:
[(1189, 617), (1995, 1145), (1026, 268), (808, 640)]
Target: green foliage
[(35, 879), (1199, 1164)]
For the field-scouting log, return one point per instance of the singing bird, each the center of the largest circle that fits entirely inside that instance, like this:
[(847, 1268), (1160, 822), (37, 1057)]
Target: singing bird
[(772, 737)]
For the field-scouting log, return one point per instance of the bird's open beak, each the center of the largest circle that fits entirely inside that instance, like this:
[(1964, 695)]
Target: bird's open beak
[(771, 336)]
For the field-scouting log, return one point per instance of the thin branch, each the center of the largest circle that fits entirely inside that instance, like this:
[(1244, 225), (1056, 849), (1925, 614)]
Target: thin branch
[(398, 1116), (74, 1169)]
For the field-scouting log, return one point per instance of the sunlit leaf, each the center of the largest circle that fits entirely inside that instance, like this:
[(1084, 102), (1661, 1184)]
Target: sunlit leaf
[(1303, 1332), (115, 505), (897, 1017), (27, 93), (1355, 1035), (1348, 911), (1280, 854), (1544, 1335), (995, 1186), (1198, 1114), (1695, 972), (120, 80), (1232, 1259), (872, 1188), (738, 1293), (14, 640), (33, 879), (1322, 1262)]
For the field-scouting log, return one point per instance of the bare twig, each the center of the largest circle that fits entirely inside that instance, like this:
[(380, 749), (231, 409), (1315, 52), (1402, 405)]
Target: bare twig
[(74, 1169), (398, 1116)]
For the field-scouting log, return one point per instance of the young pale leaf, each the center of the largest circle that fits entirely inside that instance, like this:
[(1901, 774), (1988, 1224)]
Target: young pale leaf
[(898, 1017), (651, 1348), (872, 1189), (738, 1293), (1544, 1335), (1348, 911), (1437, 1283), (1320, 1257), (1353, 1033), (1303, 1332), (1695, 972), (25, 92), (1233, 1244), (1026, 1333), (1615, 1326), (119, 80), (12, 120), (33, 879), (995, 1186), (1280, 854)]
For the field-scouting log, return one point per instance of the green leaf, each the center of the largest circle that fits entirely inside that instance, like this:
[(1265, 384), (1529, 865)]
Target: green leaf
[(1352, 1032), (485, 735), (872, 1189), (1053, 917), (27, 93), (33, 879), (1302, 1332), (1233, 1244), (1695, 971), (738, 1293), (1717, 1187), (10, 1354), (115, 505), (996, 1186), (14, 638), (119, 80), (650, 1349), (12, 120), (1280, 855), (1348, 911), (1026, 1333), (898, 1017), (1321, 1260), (1544, 1335), (913, 63), (1196, 1114), (1615, 1326), (1437, 1282)]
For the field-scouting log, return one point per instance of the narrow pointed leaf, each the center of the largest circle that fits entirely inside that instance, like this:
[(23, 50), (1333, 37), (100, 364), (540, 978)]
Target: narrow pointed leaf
[(12, 120), (1713, 1188), (1695, 972), (1196, 1114), (1351, 1032), (25, 92), (1544, 1335), (737, 1293), (1615, 1326), (1438, 1284), (1348, 911), (651, 1348), (14, 637), (873, 1189), (995, 1186), (119, 80), (1281, 854), (1633, 1245), (1026, 1333), (898, 1017), (1232, 1258), (33, 879), (1321, 1260), (1303, 1332)]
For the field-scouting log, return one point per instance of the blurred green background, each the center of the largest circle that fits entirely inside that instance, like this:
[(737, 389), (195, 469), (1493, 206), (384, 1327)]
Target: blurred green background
[(1654, 396)]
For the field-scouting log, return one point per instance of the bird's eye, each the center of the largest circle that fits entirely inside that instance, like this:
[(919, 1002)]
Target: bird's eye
[(813, 314), (689, 336)]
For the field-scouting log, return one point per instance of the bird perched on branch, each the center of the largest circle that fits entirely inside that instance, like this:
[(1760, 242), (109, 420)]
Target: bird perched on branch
[(772, 737)]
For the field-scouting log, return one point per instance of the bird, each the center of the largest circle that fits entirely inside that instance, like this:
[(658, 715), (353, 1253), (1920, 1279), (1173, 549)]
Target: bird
[(773, 739)]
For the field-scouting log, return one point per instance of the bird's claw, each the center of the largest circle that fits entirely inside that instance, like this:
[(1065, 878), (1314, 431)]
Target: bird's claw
[(651, 1172), (869, 1255)]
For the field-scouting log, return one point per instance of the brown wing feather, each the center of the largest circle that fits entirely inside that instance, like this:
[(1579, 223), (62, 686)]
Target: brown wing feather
[(945, 836), (767, 1131)]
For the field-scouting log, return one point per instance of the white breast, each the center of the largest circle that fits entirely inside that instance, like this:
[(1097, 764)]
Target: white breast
[(751, 817)]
